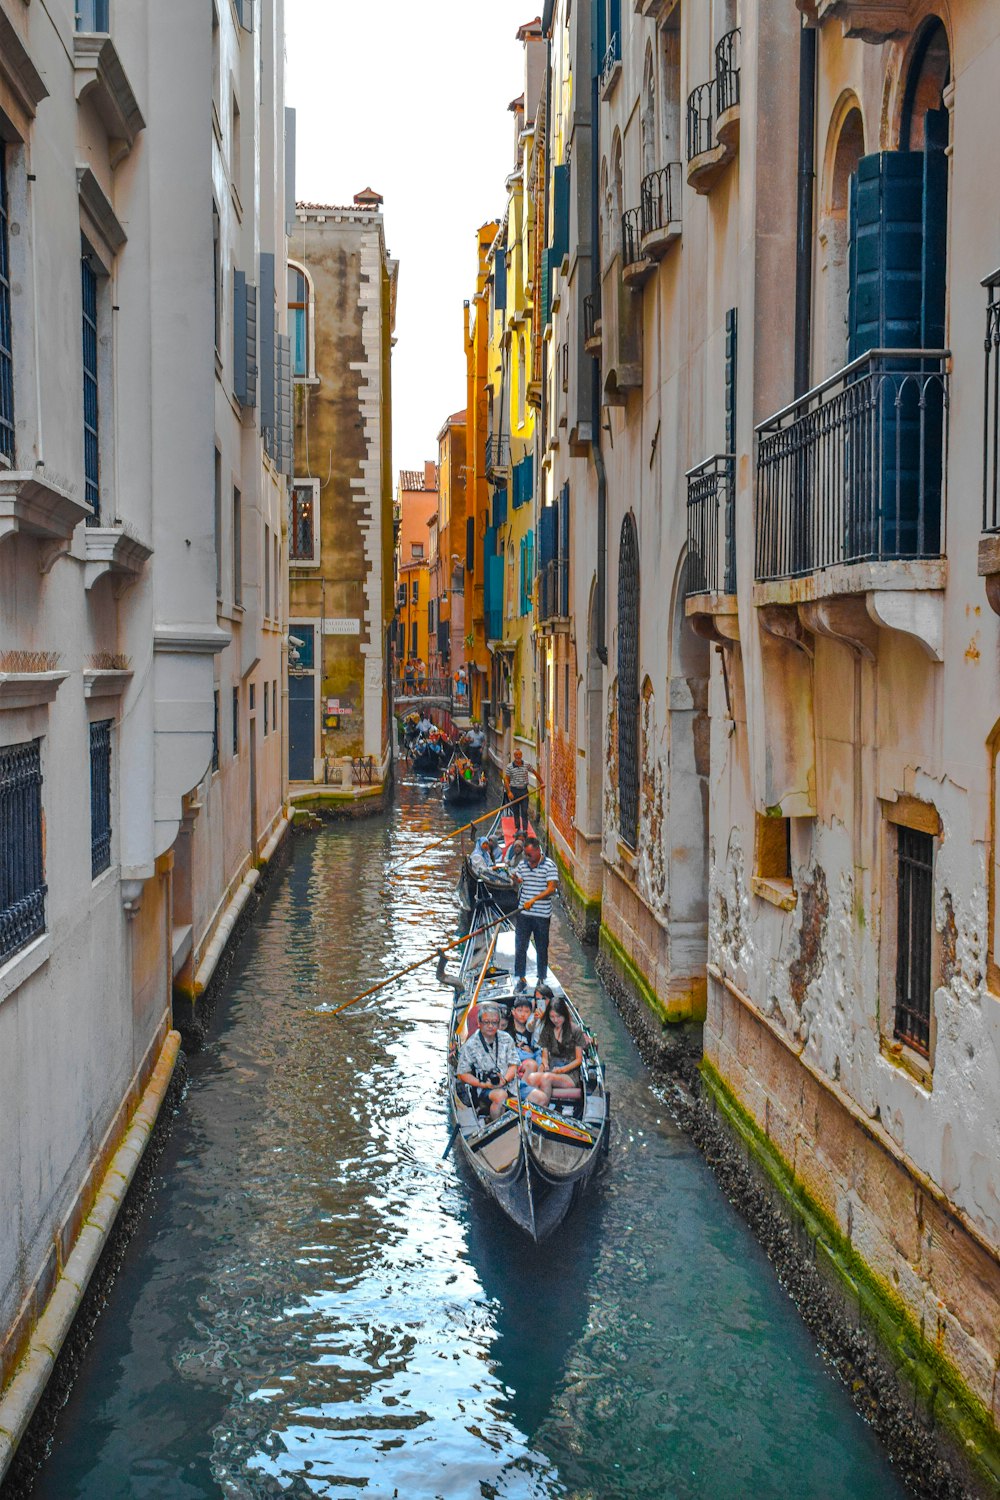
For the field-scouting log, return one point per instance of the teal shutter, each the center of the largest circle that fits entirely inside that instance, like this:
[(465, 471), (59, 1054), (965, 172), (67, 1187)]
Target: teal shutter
[(887, 193), (500, 280), (560, 213), (547, 535)]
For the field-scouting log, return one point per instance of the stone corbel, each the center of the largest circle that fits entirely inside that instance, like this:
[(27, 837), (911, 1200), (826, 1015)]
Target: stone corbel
[(715, 617), (18, 70), (783, 621), (112, 550), (917, 612), (843, 619), (101, 78), (875, 21), (30, 505)]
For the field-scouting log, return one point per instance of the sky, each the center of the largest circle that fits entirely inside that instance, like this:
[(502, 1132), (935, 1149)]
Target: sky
[(411, 99)]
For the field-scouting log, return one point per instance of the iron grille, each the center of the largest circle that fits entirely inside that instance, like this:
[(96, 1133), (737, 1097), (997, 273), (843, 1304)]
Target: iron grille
[(991, 412), (22, 886), (6, 357), (628, 683), (914, 935), (302, 530), (215, 730), (497, 453), (631, 236), (661, 198), (612, 57), (711, 554), (700, 119), (854, 470), (91, 435), (591, 317), (727, 71), (100, 796)]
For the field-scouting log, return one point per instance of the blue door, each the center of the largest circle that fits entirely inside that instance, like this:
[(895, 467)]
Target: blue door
[(301, 725)]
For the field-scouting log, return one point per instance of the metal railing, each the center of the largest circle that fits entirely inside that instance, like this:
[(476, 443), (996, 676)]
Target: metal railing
[(631, 237), (727, 71), (100, 789), (611, 58), (363, 770), (991, 407), (854, 470), (591, 316), (553, 590), (701, 119), (564, 366), (497, 453), (22, 878), (711, 550), (661, 198)]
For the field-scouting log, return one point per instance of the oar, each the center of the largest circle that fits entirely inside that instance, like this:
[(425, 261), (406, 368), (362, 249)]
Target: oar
[(464, 829), (428, 958)]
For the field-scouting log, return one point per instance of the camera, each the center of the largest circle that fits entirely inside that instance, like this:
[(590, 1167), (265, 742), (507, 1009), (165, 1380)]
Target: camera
[(492, 1079)]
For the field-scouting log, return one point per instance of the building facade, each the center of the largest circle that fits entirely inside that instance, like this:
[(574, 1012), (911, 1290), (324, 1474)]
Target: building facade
[(342, 296), (446, 621), (767, 569), (478, 330), (417, 499), (143, 596)]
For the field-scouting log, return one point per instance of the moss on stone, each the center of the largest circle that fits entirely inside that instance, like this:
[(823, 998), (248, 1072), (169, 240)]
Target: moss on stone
[(633, 976), (587, 908), (937, 1385)]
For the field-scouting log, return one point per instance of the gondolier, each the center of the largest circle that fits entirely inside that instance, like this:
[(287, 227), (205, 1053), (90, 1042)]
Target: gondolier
[(515, 780), (539, 880)]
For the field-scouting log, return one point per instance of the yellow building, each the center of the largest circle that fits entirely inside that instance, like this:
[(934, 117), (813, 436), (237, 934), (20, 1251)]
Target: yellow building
[(416, 502), (478, 326)]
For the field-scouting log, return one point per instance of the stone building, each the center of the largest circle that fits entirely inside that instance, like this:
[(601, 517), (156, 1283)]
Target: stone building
[(142, 590), (342, 293), (782, 563), (417, 501)]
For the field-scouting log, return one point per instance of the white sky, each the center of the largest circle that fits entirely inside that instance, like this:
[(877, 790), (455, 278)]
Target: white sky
[(411, 99)]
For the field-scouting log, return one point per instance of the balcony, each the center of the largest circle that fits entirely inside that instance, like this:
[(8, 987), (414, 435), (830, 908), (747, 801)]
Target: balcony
[(592, 324), (989, 546), (850, 503), (553, 595), (100, 78), (869, 20), (636, 267), (713, 117), (710, 585), (611, 67), (661, 210), (497, 456)]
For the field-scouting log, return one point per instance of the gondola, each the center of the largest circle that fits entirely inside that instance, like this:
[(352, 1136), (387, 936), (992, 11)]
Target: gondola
[(461, 790), (483, 887), (534, 1161), (428, 762)]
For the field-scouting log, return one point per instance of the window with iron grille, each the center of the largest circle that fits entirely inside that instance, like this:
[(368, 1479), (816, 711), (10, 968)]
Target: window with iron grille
[(215, 730), (628, 683), (6, 359), (267, 717), (236, 721), (91, 432), (100, 796), (914, 937), (22, 883), (302, 532)]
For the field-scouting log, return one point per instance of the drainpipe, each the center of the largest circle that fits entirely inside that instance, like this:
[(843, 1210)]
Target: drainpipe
[(804, 216), (595, 397)]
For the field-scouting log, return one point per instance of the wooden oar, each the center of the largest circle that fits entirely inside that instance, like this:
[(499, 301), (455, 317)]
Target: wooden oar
[(464, 829), (428, 958)]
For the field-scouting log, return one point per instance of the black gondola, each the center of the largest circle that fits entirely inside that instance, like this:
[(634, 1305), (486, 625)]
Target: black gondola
[(461, 790), (534, 1161), (427, 761)]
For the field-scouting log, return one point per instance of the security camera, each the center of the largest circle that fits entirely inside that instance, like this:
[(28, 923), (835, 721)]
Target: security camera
[(293, 640)]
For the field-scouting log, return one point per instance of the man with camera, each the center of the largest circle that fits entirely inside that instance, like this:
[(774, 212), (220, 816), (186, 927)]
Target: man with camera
[(488, 1062)]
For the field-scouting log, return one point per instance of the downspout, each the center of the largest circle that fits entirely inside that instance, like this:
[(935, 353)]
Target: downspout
[(804, 216), (595, 397)]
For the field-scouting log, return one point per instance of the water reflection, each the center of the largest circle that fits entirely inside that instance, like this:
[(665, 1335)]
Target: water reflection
[(318, 1305)]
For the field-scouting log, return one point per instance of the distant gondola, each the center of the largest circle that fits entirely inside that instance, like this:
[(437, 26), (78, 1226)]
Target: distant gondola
[(430, 762), (534, 1161), (461, 789)]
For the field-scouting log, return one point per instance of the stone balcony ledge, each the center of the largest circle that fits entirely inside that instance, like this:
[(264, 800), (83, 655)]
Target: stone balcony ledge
[(29, 689), (846, 601), (115, 551), (874, 21), (101, 78), (32, 505)]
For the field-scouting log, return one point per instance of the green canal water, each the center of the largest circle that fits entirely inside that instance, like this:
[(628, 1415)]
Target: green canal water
[(317, 1305)]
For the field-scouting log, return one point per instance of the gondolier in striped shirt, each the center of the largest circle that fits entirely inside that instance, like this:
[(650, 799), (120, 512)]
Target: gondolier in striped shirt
[(515, 780), (538, 879)]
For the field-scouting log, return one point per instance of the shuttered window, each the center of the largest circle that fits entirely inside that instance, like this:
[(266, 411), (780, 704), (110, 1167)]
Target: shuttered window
[(22, 883), (628, 683), (6, 345), (91, 433), (914, 937)]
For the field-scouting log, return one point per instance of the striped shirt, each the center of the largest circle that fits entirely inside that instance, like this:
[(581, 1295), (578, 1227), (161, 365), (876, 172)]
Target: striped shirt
[(535, 880), (517, 775)]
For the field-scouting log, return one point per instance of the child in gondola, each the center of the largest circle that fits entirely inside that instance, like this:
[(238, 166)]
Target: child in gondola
[(533, 1085)]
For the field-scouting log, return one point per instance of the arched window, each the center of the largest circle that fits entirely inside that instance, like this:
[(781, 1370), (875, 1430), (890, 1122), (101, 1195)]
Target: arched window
[(607, 238), (300, 330), (628, 683), (618, 193), (929, 76), (845, 151), (648, 120)]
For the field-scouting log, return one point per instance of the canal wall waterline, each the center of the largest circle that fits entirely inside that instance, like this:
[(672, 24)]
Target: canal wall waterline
[(46, 1338)]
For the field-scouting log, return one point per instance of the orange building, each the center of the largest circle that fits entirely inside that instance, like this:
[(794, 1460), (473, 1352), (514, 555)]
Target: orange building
[(416, 502), (447, 580), (477, 347)]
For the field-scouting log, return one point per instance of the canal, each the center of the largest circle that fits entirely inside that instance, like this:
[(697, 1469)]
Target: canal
[(317, 1305)]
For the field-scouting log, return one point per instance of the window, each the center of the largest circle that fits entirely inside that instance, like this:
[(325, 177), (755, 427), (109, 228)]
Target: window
[(298, 320), (415, 591), (237, 547), (772, 861), (253, 697), (413, 640), (235, 146), (91, 411), (267, 716), (6, 357), (303, 530), (100, 797), (218, 525), (22, 884), (914, 937), (93, 15), (236, 721), (416, 551), (274, 702), (628, 683), (276, 575), (217, 276), (215, 730), (267, 571)]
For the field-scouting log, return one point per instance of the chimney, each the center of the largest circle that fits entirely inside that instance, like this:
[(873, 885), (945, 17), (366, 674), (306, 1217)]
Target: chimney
[(368, 198), (430, 474)]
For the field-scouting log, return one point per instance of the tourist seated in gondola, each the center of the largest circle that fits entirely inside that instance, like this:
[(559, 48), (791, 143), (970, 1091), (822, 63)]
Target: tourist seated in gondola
[(488, 1062), (481, 858), (532, 1082), (561, 1044), (514, 854)]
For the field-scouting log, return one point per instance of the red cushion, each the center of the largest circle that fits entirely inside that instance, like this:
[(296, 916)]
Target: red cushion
[(472, 1019)]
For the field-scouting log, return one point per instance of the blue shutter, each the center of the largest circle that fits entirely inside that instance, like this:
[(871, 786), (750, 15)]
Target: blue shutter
[(546, 290), (500, 279), (470, 545), (548, 535), (499, 507), (884, 312), (599, 24), (266, 332), (560, 213), (529, 571), (563, 539)]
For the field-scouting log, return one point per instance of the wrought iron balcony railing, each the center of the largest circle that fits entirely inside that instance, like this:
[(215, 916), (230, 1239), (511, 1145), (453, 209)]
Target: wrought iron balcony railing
[(612, 59), (854, 471), (497, 453), (661, 198), (591, 319), (991, 407), (553, 590), (631, 237), (701, 119), (711, 554), (727, 71)]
